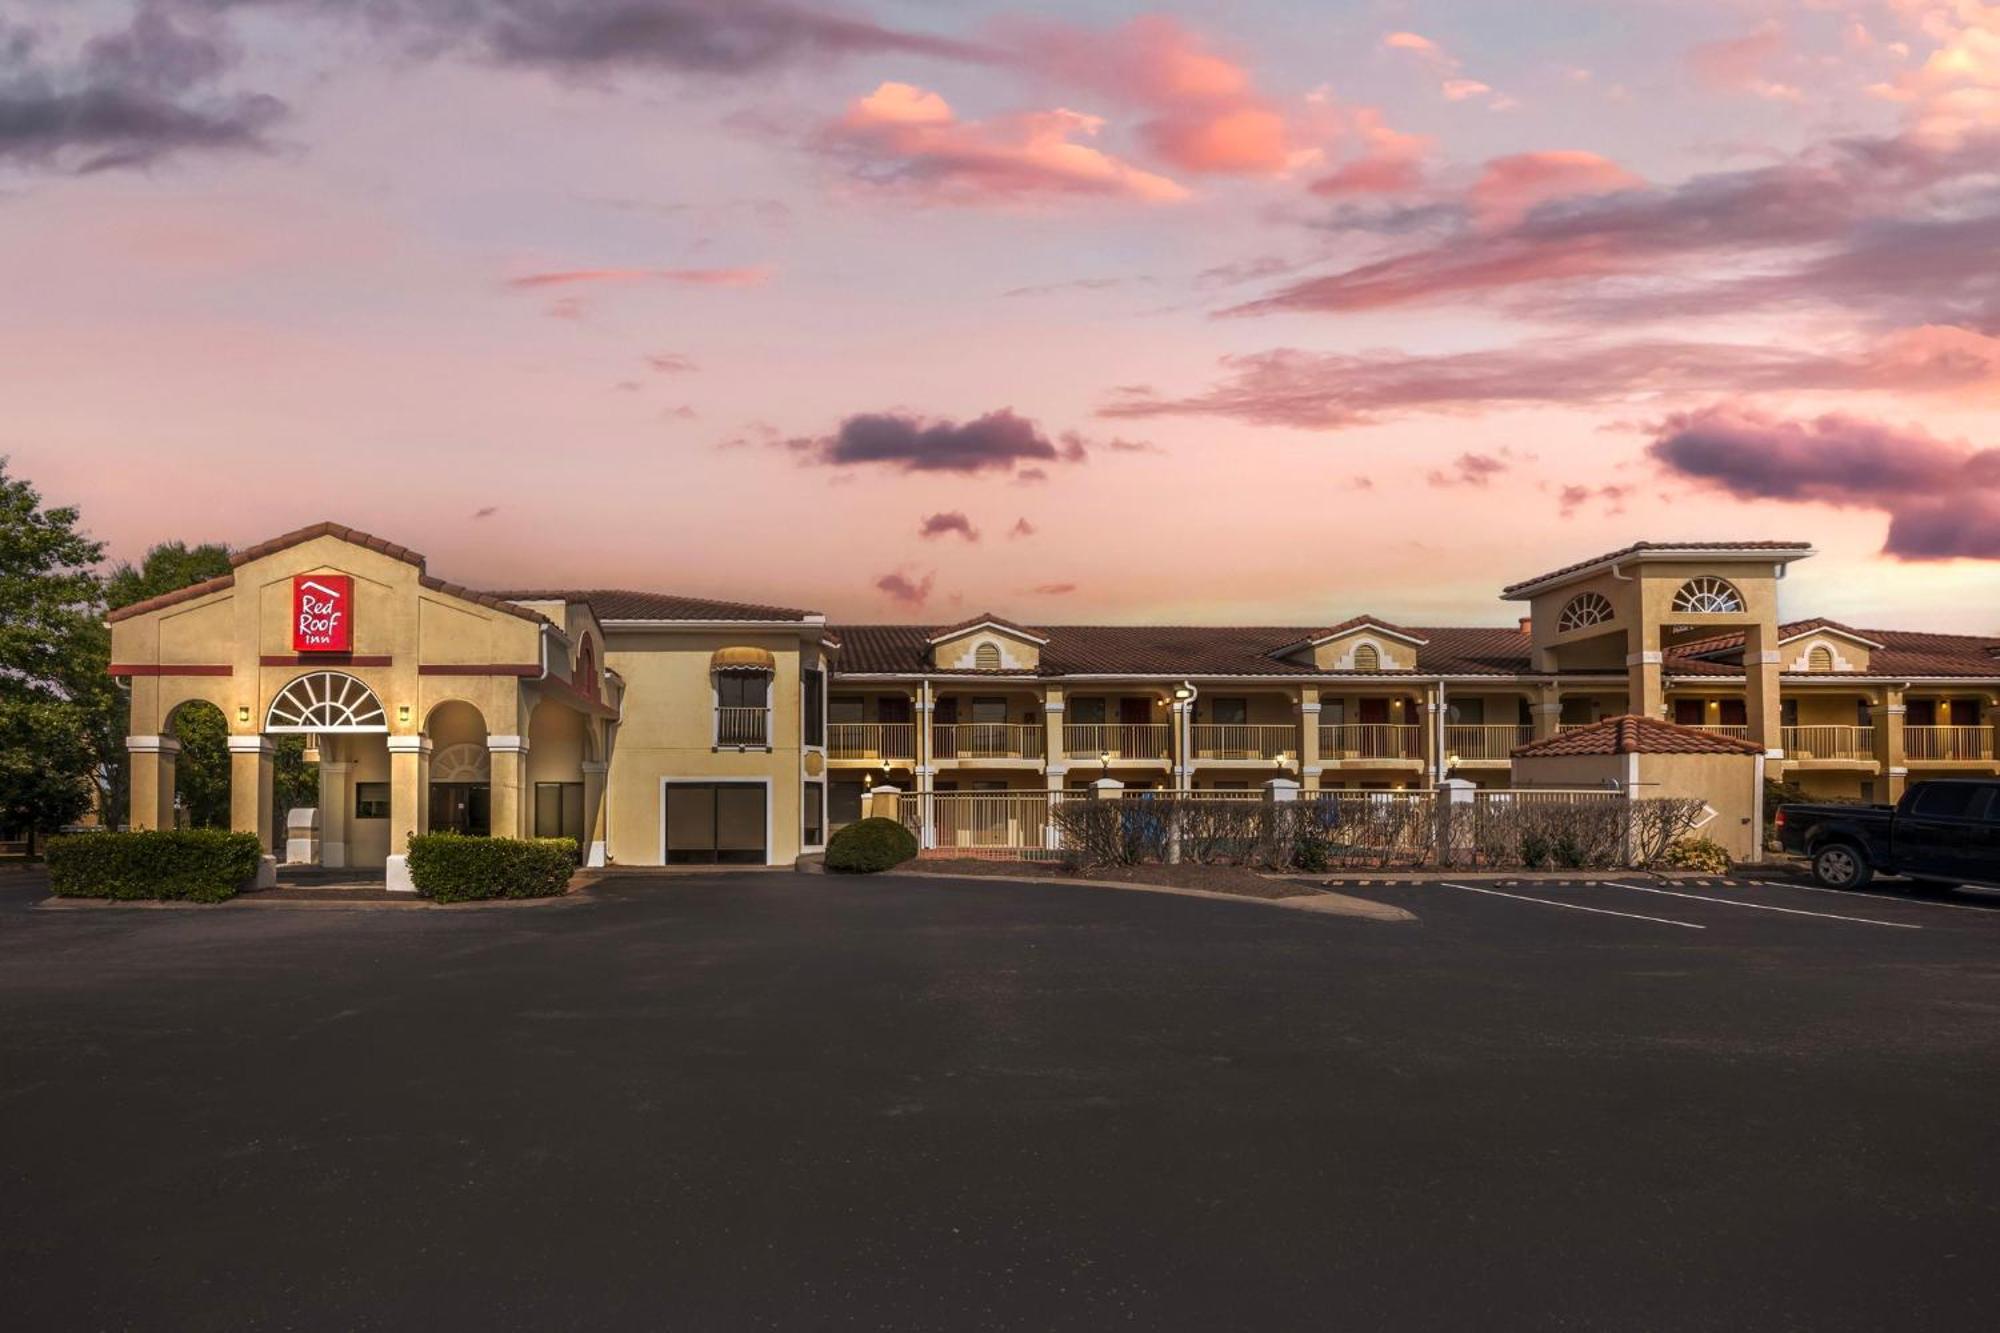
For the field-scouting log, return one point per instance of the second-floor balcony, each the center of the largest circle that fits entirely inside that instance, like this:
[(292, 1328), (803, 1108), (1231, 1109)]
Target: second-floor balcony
[(1223, 740), (743, 726), (1828, 742), (986, 740), (1485, 744), (883, 742), (1948, 744), (1128, 741), (1370, 740)]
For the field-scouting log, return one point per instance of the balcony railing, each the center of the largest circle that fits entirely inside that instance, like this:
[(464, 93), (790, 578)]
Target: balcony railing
[(1219, 740), (1144, 740), (742, 726), (1371, 740), (1739, 731), (1828, 742), (1948, 743), (986, 740), (872, 740), (1485, 743)]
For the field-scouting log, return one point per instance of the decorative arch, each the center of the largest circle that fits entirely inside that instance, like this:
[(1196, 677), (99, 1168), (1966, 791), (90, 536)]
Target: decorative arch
[(330, 702), (464, 762), (986, 657), (1367, 657), (584, 673), (1585, 610), (1708, 596), (1820, 658)]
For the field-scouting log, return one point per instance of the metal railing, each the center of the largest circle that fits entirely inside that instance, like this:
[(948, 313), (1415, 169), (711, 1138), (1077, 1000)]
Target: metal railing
[(1485, 742), (986, 740), (742, 726), (1147, 740), (1828, 741), (1220, 740), (871, 740), (1738, 730), (1004, 825), (1371, 740), (1948, 743)]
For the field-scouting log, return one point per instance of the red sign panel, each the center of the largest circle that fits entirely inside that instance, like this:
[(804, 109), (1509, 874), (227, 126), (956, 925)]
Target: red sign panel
[(322, 613)]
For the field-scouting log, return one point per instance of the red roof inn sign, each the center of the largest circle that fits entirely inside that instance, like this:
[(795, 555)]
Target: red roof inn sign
[(322, 613)]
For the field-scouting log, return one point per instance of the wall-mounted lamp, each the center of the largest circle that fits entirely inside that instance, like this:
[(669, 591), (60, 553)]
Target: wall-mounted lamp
[(1183, 693), (403, 714), (243, 712)]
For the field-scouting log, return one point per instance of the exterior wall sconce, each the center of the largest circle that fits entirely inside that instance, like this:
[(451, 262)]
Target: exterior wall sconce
[(403, 714), (243, 712)]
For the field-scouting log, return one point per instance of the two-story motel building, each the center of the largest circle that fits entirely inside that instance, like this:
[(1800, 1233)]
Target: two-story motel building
[(663, 729)]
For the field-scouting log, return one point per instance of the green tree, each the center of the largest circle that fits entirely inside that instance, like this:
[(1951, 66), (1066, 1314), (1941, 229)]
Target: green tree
[(168, 567), (53, 654)]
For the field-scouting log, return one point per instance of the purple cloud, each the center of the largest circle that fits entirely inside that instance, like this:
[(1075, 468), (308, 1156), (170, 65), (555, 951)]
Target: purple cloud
[(999, 441), (900, 587), (946, 524)]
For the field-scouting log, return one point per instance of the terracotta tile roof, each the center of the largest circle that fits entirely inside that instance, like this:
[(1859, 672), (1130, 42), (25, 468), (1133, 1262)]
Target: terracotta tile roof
[(1644, 548), (300, 536), (1899, 652), (1183, 650), (986, 618), (1359, 622), (626, 604), (1632, 734)]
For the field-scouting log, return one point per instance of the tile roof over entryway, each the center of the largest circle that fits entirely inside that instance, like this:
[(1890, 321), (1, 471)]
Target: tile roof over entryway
[(1632, 734)]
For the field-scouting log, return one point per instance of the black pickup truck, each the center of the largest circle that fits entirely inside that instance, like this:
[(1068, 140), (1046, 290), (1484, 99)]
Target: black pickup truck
[(1945, 832)]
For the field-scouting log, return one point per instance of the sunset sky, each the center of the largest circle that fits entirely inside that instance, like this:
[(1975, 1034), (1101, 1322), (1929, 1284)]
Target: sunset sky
[(1270, 311)]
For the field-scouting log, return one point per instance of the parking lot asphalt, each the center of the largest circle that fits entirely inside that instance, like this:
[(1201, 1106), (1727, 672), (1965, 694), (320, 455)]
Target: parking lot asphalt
[(788, 1101)]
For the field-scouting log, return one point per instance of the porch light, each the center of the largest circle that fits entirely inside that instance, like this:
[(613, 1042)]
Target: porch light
[(403, 714), (1451, 761), (1183, 693), (243, 712)]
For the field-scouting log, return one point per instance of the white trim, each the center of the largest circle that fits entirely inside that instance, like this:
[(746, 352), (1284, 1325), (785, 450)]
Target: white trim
[(1779, 557), (961, 631), (804, 846), (409, 745), (780, 626), (1829, 629), (252, 744), (507, 744), (712, 780), (152, 745)]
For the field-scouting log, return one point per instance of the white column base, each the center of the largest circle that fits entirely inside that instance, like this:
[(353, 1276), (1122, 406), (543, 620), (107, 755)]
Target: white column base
[(594, 854), (267, 873), (299, 852), (333, 855), (399, 880)]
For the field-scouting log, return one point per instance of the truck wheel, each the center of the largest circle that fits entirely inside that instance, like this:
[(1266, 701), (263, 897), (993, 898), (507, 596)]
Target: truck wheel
[(1839, 865)]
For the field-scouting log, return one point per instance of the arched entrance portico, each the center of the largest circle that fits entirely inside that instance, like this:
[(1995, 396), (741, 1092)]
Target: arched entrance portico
[(343, 718)]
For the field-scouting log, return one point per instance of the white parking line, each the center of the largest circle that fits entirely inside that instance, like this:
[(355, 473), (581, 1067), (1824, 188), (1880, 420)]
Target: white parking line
[(1765, 907), (1573, 907), (1879, 897)]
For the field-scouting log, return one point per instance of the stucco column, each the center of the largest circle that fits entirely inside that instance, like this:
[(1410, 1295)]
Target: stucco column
[(250, 779), (1760, 691), (1055, 749), (409, 804), (1428, 718), (1891, 759), (1547, 710), (151, 798), (1645, 670), (1309, 765), (507, 757), (925, 769), (593, 812), (1183, 744), (334, 800)]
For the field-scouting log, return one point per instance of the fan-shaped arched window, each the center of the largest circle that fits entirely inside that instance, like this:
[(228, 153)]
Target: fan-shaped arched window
[(326, 701), (1367, 657), (986, 657), (1591, 608), (1820, 658), (1708, 596)]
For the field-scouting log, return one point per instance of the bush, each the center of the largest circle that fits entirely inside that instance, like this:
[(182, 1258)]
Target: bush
[(1703, 854), (455, 868), (870, 845), (189, 865)]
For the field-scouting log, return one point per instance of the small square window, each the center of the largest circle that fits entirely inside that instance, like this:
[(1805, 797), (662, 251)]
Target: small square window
[(371, 800)]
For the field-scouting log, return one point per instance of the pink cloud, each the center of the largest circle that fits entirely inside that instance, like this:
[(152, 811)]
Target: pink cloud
[(1510, 186), (671, 363), (909, 137), (752, 276), (1387, 161), (1737, 64), (900, 588), (951, 523)]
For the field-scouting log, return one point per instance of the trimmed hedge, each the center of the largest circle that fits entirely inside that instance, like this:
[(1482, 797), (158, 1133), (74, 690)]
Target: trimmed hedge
[(191, 865), (870, 845), (456, 868)]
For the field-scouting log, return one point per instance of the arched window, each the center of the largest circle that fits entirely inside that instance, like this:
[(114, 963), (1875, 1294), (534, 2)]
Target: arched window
[(1820, 658), (326, 701), (1708, 596), (584, 675), (1367, 658), (986, 657), (1591, 608)]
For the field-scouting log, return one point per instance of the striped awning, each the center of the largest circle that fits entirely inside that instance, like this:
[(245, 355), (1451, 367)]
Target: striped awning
[(742, 659)]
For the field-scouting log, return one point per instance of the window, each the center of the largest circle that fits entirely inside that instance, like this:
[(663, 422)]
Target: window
[(742, 689), (847, 708), (742, 702), (559, 810), (1707, 597), (814, 683), (1086, 712), (986, 657), (371, 800), (715, 822), (989, 710), (814, 808), (1229, 712), (1950, 800), (1592, 608), (1820, 658), (1367, 657)]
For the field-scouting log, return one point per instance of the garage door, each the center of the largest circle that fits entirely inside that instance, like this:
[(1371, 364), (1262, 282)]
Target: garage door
[(716, 822)]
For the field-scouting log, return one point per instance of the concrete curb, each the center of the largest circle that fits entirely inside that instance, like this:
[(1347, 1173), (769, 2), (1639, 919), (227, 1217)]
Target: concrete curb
[(1323, 902), (575, 896)]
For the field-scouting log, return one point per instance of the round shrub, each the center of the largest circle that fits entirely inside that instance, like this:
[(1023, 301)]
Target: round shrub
[(1705, 855), (187, 865), (870, 845), (455, 868)]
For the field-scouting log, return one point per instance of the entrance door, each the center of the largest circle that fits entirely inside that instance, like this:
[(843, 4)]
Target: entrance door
[(1690, 712), (1135, 712), (716, 823), (461, 807)]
